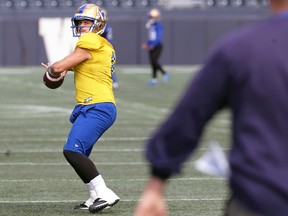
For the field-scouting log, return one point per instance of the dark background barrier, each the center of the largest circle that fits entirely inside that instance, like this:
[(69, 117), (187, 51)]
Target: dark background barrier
[(189, 34)]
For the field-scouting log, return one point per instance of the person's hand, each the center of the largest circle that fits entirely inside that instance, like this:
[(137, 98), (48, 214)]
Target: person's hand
[(144, 46), (152, 202), (62, 75), (46, 66)]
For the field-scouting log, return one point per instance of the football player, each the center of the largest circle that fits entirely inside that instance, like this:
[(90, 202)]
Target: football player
[(93, 63), (154, 45)]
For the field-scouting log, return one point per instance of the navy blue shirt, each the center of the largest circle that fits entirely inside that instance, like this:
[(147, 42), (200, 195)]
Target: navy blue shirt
[(248, 72)]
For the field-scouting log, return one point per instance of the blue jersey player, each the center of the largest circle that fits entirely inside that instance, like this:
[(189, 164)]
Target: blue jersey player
[(154, 45), (108, 34)]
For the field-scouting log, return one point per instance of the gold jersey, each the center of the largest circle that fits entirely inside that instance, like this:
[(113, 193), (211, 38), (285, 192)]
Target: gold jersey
[(93, 77)]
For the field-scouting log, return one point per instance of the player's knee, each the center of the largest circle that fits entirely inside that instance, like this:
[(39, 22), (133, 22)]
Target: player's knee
[(68, 155)]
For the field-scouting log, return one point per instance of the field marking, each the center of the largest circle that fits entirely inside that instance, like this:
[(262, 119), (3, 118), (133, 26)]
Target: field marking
[(35, 139), (60, 150), (114, 180), (99, 163), (67, 164), (122, 200), (28, 151)]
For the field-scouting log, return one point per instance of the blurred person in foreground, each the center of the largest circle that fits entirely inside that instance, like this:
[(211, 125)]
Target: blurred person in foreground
[(108, 34), (248, 72), (93, 62), (155, 46)]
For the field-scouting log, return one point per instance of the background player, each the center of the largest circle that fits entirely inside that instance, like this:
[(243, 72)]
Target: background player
[(108, 34), (154, 45)]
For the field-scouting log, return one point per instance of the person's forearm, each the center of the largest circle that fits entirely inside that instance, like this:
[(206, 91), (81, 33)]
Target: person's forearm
[(156, 184)]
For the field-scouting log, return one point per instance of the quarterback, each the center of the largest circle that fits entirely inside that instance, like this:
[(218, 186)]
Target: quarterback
[(93, 63)]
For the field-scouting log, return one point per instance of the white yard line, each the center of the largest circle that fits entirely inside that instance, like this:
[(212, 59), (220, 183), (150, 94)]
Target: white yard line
[(114, 180), (122, 200), (66, 164), (63, 139), (120, 149)]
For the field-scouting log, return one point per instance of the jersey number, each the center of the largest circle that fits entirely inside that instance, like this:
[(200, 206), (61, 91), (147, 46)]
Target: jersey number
[(113, 62)]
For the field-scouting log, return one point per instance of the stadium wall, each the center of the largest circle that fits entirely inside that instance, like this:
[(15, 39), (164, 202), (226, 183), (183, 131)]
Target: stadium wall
[(32, 38)]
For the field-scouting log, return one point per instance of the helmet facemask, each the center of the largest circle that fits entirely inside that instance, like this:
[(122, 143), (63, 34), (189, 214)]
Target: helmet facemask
[(92, 13)]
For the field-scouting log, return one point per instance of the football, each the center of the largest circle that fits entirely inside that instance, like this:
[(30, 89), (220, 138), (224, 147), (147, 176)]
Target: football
[(51, 81)]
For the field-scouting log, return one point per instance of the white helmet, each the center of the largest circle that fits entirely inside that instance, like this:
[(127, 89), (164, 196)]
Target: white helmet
[(154, 16), (154, 13)]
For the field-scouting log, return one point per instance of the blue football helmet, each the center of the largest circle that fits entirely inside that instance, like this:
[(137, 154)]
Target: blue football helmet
[(89, 12)]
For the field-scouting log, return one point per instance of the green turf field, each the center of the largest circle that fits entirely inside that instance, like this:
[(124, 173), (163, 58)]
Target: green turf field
[(35, 178)]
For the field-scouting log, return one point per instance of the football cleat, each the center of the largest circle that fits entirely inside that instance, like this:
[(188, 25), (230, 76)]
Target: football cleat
[(166, 77), (81, 206), (85, 205), (152, 82), (98, 205), (106, 200)]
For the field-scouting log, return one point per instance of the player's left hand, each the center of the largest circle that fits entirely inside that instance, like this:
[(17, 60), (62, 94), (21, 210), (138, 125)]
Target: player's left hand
[(144, 46)]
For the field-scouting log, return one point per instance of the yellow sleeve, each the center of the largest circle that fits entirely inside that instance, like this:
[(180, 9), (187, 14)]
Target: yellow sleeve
[(88, 41)]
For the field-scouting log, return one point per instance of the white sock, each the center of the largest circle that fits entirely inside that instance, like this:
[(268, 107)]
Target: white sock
[(92, 193), (99, 184)]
